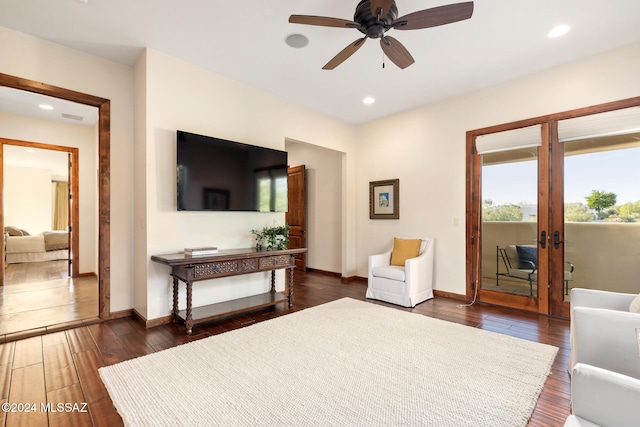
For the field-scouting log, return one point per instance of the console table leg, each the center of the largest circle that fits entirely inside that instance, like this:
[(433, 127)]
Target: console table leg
[(175, 300), (189, 318), (290, 291), (273, 281)]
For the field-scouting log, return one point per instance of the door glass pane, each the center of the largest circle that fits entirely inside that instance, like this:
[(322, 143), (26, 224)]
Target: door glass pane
[(509, 210), (602, 212)]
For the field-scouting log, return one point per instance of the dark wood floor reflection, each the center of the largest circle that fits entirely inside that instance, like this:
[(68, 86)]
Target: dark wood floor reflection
[(63, 366), (41, 295)]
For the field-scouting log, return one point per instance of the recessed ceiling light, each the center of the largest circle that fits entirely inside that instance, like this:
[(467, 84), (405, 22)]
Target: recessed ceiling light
[(559, 30), (45, 107), (369, 100), (296, 40), (30, 150)]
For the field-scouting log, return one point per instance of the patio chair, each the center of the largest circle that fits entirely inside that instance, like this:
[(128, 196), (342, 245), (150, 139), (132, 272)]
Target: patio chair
[(521, 262)]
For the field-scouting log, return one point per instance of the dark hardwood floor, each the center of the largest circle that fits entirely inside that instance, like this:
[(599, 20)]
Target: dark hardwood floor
[(62, 367)]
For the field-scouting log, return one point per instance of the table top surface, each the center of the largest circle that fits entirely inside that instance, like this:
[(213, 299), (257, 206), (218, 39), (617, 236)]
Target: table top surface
[(181, 258)]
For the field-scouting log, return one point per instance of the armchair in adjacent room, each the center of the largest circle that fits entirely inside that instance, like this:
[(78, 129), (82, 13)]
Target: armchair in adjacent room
[(404, 274), (604, 330)]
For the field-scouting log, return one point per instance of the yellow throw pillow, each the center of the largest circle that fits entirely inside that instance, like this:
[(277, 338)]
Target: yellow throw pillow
[(403, 249)]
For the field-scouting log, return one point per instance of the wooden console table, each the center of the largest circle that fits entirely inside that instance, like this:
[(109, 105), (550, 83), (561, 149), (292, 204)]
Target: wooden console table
[(230, 262)]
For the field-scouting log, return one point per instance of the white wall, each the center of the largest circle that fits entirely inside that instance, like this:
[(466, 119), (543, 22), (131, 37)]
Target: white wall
[(36, 59), (85, 138), (27, 198), (425, 149), (178, 95), (324, 203)]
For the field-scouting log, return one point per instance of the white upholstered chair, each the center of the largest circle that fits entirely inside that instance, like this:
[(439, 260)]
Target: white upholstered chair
[(406, 285), (600, 397), (604, 331)]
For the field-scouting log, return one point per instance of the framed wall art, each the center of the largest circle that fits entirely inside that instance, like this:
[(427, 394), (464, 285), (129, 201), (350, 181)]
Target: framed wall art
[(384, 200)]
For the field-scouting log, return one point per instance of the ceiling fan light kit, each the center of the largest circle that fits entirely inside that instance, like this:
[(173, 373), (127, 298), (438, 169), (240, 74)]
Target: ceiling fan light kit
[(374, 18)]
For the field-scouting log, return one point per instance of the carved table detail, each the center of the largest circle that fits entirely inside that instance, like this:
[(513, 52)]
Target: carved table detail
[(214, 268)]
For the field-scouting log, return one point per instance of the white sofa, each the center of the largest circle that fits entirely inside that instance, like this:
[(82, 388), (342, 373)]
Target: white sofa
[(406, 285), (603, 398), (603, 331)]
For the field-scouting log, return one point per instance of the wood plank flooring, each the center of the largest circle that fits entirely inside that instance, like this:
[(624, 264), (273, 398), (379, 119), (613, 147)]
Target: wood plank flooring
[(62, 367), (41, 296)]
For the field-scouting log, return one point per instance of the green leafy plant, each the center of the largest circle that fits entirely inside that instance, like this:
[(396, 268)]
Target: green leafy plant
[(272, 238), (601, 200)]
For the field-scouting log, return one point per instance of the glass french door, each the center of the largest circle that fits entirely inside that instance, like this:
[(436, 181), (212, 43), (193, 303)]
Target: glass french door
[(554, 204), (512, 215), (601, 199)]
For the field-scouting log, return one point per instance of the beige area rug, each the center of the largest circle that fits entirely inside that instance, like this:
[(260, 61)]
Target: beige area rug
[(344, 363)]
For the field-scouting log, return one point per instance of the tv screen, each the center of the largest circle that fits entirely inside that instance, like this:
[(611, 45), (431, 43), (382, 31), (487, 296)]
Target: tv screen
[(219, 175)]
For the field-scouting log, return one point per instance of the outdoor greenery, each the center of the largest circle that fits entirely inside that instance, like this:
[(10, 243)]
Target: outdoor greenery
[(577, 212), (600, 200), (601, 207), (506, 212)]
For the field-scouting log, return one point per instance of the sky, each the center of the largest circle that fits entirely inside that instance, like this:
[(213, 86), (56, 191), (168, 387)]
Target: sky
[(616, 171)]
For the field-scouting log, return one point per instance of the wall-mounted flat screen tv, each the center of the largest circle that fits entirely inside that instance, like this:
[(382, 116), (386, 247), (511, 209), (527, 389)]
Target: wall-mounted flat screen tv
[(218, 175)]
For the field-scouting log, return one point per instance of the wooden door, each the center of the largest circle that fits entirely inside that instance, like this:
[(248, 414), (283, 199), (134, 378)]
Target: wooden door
[(69, 215), (297, 213)]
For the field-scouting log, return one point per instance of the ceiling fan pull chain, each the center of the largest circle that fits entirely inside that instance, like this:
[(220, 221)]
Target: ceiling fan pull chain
[(383, 59)]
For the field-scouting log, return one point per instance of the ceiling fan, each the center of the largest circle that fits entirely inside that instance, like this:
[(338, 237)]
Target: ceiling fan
[(374, 18)]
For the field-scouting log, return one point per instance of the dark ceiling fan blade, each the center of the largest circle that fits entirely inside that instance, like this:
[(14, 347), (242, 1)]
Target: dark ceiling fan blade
[(383, 5), (396, 52), (322, 21), (344, 54), (435, 16)]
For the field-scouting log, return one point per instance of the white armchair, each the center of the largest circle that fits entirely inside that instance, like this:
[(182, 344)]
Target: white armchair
[(602, 398), (603, 331), (405, 285)]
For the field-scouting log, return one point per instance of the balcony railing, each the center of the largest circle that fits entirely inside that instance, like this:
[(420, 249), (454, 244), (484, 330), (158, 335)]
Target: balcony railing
[(605, 255)]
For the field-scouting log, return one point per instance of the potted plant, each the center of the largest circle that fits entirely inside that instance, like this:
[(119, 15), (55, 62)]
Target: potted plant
[(272, 238)]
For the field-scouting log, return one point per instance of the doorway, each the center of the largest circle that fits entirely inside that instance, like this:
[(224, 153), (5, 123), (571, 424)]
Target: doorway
[(41, 284), (103, 185), (323, 197), (33, 204), (535, 228)]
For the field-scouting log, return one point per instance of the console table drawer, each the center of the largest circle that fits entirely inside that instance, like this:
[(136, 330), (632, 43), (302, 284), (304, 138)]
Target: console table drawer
[(213, 269), (276, 261)]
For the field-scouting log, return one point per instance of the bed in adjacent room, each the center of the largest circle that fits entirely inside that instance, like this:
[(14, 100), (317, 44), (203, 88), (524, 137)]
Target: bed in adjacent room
[(47, 246)]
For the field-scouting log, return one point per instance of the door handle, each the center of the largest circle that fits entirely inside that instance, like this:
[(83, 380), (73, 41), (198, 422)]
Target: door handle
[(543, 239), (556, 239)]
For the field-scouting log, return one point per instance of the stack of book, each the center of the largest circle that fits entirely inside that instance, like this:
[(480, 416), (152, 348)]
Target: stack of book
[(206, 250)]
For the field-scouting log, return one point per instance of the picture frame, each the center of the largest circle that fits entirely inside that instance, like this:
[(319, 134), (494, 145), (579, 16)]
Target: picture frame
[(384, 199)]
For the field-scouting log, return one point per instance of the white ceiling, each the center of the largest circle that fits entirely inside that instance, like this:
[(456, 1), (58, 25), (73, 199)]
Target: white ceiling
[(36, 158), (244, 40), (28, 104)]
